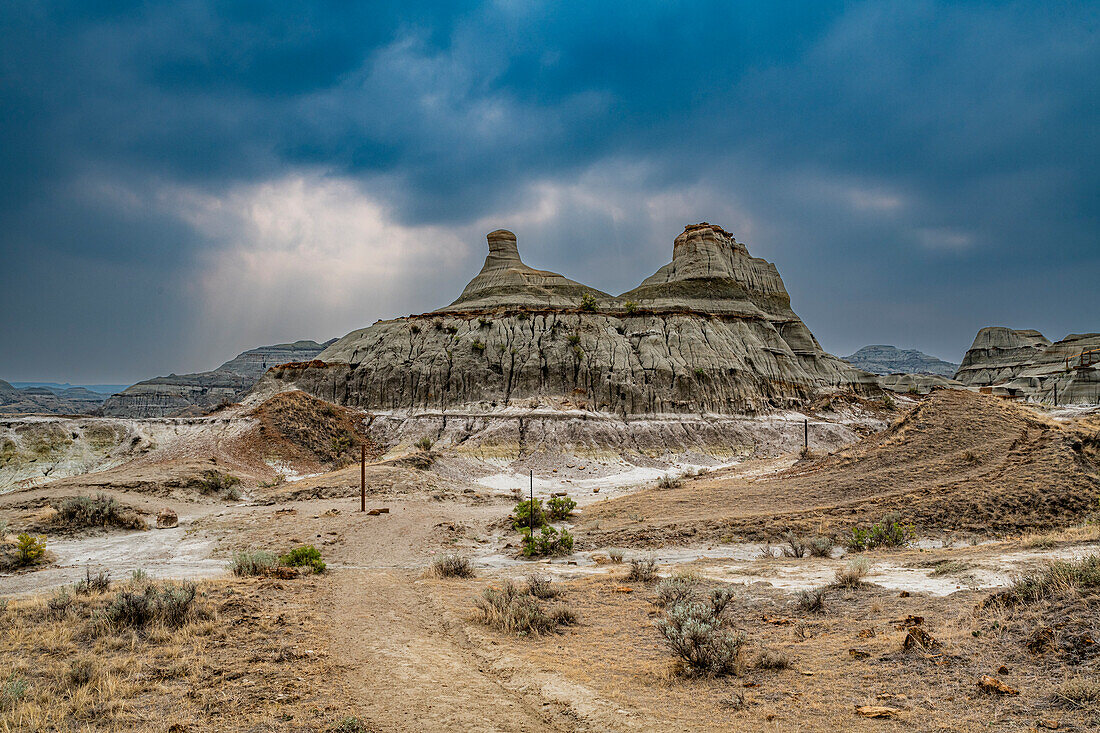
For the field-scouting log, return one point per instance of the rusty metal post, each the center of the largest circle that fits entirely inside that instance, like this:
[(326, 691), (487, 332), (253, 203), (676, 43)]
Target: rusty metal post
[(806, 434), (362, 478), (531, 505)]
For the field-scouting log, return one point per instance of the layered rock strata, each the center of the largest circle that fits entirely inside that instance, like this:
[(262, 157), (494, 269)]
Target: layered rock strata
[(1025, 364), (998, 354), (180, 395), (711, 332)]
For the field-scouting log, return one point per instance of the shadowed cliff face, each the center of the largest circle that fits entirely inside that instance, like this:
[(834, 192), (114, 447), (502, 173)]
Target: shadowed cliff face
[(711, 332)]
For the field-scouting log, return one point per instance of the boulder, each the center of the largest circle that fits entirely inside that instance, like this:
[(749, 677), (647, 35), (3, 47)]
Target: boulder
[(166, 519)]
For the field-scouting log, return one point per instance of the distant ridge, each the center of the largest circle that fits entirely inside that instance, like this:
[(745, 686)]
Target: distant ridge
[(193, 394), (883, 359)]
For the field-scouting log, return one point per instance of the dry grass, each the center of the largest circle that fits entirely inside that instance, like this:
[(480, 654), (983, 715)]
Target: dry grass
[(252, 657)]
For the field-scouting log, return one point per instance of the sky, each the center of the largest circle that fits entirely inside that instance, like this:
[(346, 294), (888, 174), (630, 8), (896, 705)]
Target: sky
[(185, 180)]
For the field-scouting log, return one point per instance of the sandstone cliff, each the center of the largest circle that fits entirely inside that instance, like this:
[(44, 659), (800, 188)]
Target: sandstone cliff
[(998, 354), (711, 332), (193, 394), (1025, 364)]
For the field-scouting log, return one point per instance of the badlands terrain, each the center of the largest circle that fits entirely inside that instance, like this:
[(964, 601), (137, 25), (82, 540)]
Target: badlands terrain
[(746, 533)]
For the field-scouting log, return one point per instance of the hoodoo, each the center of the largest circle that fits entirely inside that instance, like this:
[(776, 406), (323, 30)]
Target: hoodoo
[(710, 332)]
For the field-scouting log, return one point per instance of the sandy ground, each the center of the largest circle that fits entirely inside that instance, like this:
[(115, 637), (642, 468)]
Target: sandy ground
[(405, 651)]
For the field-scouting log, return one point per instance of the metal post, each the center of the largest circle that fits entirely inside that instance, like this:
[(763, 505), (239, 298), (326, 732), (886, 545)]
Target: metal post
[(806, 434), (531, 504), (362, 478), (1055, 394)]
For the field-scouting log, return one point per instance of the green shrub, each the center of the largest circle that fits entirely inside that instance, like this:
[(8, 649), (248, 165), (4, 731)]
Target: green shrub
[(588, 302), (888, 533), (425, 443), (528, 514), (304, 556), (548, 542), (88, 512), (29, 550), (252, 562), (697, 635), (630, 306), (216, 482), (452, 566), (483, 321), (514, 610), (560, 507), (700, 372), (349, 725), (574, 339), (888, 402)]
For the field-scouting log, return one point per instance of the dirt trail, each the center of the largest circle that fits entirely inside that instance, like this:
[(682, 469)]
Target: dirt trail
[(409, 664)]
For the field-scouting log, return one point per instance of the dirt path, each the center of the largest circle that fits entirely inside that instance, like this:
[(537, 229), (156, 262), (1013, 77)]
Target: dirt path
[(411, 670), (407, 660)]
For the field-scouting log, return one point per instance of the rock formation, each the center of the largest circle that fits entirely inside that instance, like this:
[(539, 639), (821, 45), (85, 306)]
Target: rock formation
[(882, 359), (711, 332), (1025, 364), (48, 400), (998, 354), (193, 394)]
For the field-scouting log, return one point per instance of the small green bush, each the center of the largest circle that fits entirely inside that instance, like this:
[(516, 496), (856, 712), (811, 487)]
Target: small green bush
[(29, 549), (304, 556), (888, 533), (630, 306), (560, 507), (548, 542), (425, 443), (251, 562), (588, 302), (88, 512), (574, 339), (700, 639), (216, 482), (528, 514), (349, 725), (479, 346)]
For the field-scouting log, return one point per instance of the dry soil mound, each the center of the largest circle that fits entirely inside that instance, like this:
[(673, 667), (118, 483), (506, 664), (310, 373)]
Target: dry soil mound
[(958, 461), (308, 432)]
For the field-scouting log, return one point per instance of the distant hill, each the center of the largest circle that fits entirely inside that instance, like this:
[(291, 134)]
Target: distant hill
[(58, 388), (49, 400), (194, 394), (882, 359)]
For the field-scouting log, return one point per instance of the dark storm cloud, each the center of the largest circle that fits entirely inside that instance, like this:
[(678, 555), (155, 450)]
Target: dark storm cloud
[(916, 170)]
